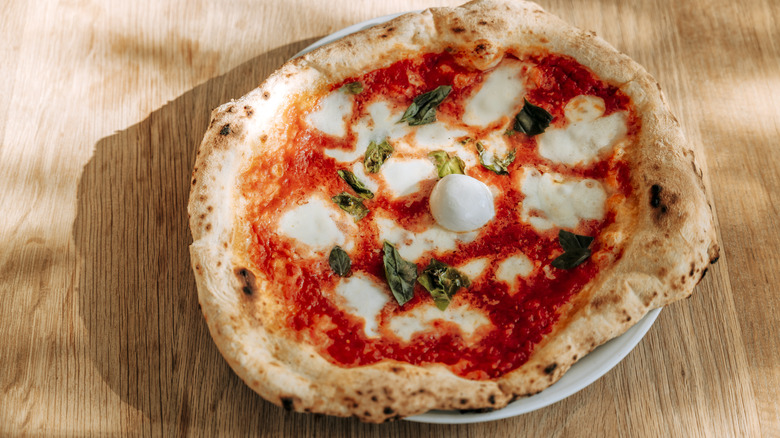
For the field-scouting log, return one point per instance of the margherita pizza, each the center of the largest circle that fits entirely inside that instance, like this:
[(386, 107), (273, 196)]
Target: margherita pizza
[(445, 211)]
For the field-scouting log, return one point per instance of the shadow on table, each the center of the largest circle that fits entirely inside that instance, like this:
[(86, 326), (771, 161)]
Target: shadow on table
[(137, 295)]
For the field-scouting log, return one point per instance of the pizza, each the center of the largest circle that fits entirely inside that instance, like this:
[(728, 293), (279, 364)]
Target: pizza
[(445, 211)]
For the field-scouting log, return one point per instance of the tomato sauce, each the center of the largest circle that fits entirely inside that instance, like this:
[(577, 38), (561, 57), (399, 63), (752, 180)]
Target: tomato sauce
[(522, 317)]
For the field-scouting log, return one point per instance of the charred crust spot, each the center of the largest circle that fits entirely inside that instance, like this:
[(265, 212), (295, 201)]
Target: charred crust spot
[(476, 411), (482, 22), (492, 399), (575, 356), (266, 95), (202, 216), (703, 273), (715, 260), (390, 29), (693, 270), (231, 109), (248, 110), (384, 35), (655, 199), (194, 180), (247, 279), (210, 208), (662, 205), (396, 369), (388, 410), (224, 244), (463, 401), (263, 138), (480, 48), (287, 403), (208, 227), (550, 368), (458, 29), (602, 300), (366, 414), (219, 264), (225, 129), (374, 398)]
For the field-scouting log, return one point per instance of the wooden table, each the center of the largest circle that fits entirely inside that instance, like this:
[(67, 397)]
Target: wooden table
[(103, 104)]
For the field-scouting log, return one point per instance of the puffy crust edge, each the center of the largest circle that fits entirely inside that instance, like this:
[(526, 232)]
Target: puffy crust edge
[(671, 237)]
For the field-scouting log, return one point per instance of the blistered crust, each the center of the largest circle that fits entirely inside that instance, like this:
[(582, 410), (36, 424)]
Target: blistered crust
[(667, 228)]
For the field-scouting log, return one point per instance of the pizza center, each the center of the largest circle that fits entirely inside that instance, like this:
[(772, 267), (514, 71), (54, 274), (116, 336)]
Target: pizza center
[(433, 213)]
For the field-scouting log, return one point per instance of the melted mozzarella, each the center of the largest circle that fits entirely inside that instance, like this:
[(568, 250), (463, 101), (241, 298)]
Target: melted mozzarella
[(364, 298), (367, 180), (403, 177), (440, 136), (436, 135), (381, 123), (422, 317), (461, 203), (412, 245), (313, 224), (584, 108), (500, 95), (330, 114), (511, 267), (551, 201), (474, 268), (582, 142)]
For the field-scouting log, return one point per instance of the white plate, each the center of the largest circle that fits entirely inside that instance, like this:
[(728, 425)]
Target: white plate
[(589, 369)]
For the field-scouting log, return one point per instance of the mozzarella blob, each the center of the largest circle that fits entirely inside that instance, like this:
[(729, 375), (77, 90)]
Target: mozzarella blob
[(363, 298), (313, 224), (461, 203)]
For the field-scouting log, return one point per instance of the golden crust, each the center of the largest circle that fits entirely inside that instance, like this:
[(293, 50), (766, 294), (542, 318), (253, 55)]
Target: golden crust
[(667, 228)]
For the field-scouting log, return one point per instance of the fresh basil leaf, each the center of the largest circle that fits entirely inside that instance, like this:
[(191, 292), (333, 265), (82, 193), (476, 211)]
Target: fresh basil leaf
[(571, 259), (575, 250), (423, 108), (570, 241), (356, 184), (497, 165), (353, 88), (532, 120), (339, 261), (442, 282), (400, 274), (446, 164), (466, 140), (351, 204), (376, 154), (510, 132)]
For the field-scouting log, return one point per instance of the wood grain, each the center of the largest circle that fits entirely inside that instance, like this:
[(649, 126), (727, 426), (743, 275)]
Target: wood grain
[(102, 105)]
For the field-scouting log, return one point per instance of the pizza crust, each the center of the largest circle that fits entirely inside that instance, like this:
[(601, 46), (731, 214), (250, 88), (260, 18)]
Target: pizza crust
[(667, 231)]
